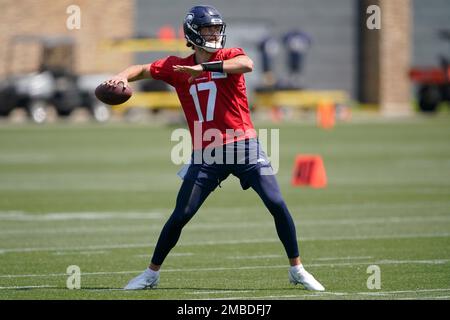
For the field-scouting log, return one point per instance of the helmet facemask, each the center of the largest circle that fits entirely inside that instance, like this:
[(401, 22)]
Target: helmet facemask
[(204, 40), (215, 44)]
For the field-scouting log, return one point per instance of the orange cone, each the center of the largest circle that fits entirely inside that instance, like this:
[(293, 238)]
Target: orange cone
[(309, 170), (326, 114), (166, 32), (276, 114)]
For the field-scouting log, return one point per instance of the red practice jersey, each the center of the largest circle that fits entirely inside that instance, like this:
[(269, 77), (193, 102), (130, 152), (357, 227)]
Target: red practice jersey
[(212, 101)]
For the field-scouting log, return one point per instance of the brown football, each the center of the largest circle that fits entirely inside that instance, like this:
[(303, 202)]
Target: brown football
[(113, 95)]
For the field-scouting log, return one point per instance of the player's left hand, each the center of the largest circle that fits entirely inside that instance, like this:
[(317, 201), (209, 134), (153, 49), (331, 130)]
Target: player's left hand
[(194, 71)]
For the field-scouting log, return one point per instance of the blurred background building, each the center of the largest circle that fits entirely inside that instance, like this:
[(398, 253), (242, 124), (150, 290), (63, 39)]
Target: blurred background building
[(371, 65), (100, 19)]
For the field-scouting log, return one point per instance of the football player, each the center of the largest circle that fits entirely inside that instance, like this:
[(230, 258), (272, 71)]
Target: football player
[(210, 85)]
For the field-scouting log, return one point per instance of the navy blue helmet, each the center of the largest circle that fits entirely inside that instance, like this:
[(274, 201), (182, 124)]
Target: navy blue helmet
[(199, 17)]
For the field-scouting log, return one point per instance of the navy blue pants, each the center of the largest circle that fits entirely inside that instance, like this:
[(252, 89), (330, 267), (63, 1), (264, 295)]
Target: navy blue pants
[(201, 179)]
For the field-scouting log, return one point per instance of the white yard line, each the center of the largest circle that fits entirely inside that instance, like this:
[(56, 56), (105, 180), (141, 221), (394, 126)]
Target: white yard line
[(219, 291), (88, 253), (343, 258), (381, 293), (325, 293), (380, 262), (9, 214), (181, 254), (302, 294), (427, 298), (267, 256), (67, 216), (113, 216), (225, 242), (26, 287), (65, 275), (259, 297)]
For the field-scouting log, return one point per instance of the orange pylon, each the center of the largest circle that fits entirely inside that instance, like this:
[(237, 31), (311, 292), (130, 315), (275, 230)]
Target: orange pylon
[(166, 32), (326, 114), (309, 170), (276, 114)]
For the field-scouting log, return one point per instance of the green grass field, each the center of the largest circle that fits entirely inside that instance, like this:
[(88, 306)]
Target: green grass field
[(96, 196)]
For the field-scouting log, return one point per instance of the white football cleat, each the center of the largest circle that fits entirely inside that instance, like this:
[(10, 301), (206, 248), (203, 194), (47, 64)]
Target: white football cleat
[(306, 279), (145, 280)]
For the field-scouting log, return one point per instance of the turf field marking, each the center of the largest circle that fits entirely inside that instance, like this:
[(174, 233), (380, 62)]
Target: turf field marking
[(154, 215), (104, 289), (435, 261), (181, 254), (89, 253), (65, 274), (219, 291), (343, 258), (325, 293), (375, 220), (227, 242), (382, 262), (402, 291), (122, 246), (26, 287), (80, 230), (426, 298), (64, 216), (259, 297), (268, 256), (255, 257), (16, 214)]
